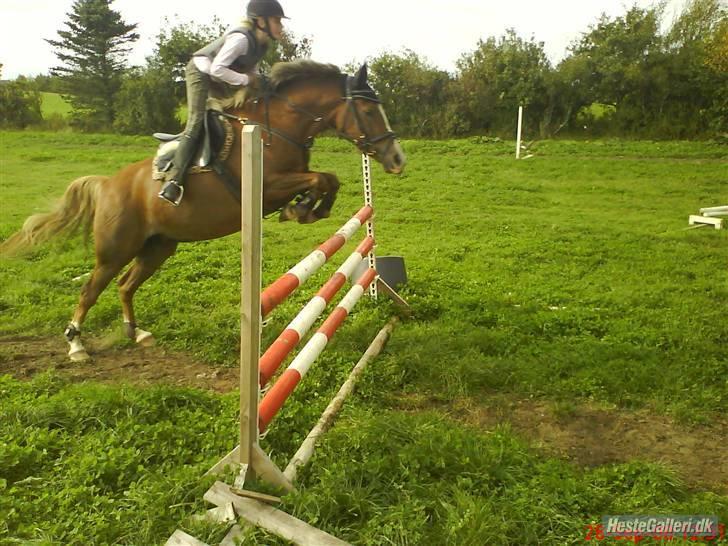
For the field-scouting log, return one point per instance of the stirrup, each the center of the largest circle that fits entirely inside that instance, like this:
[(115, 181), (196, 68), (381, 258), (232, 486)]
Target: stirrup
[(174, 202)]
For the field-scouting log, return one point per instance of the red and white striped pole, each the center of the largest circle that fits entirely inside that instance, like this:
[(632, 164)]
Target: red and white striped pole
[(299, 273), (282, 389), (299, 326)]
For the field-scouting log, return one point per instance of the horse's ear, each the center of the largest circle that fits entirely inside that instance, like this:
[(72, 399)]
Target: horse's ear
[(361, 77)]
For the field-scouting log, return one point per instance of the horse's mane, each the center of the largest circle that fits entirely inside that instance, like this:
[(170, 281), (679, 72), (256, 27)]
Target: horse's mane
[(288, 72), (281, 74)]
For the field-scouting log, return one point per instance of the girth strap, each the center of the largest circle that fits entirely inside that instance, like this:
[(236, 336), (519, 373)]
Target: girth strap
[(231, 183)]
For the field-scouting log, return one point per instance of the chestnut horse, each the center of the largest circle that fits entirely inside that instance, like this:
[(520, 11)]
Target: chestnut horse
[(130, 222)]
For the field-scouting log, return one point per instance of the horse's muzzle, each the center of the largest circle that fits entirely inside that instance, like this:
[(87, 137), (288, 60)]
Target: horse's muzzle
[(395, 160)]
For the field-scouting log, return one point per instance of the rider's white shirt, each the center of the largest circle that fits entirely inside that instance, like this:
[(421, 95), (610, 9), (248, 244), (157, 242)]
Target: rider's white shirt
[(235, 45)]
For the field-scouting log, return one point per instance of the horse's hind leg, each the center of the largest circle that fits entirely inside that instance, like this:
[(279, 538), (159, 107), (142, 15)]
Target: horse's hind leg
[(116, 242), (152, 255)]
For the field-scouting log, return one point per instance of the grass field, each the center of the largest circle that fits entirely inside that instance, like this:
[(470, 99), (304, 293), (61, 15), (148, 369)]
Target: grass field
[(53, 105), (554, 295)]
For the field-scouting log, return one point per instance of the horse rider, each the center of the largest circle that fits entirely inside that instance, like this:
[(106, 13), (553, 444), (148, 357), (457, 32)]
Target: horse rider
[(232, 60)]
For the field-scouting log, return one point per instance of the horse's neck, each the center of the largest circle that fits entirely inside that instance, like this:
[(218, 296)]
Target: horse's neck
[(320, 103), (296, 109)]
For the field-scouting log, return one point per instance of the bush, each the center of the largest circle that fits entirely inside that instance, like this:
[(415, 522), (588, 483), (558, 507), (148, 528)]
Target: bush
[(54, 122), (19, 104), (146, 103), (416, 95)]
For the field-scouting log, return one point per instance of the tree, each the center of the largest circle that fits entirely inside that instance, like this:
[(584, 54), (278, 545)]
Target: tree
[(19, 104), (717, 47), (567, 94), (501, 75), (93, 50), (289, 48), (175, 45), (625, 65), (716, 59), (415, 94), (699, 70), (146, 102), (48, 83), (657, 84)]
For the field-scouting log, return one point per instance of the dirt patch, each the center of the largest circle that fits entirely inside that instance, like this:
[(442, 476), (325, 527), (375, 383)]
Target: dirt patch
[(584, 434), (591, 436), (23, 357)]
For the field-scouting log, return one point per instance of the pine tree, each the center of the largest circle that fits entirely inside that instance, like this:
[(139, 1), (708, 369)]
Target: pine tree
[(92, 49)]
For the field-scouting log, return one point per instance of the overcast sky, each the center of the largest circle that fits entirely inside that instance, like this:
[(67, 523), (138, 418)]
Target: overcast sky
[(342, 30)]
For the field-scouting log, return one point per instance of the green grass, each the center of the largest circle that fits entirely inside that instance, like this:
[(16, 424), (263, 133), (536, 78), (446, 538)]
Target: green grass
[(182, 113), (597, 110), (120, 465), (566, 277), (53, 104)]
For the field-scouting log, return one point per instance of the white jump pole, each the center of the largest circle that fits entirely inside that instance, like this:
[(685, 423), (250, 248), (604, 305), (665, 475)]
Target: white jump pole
[(518, 137), (714, 212)]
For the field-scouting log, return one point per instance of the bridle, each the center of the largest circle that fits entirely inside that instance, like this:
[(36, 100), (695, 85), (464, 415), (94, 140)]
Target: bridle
[(363, 140)]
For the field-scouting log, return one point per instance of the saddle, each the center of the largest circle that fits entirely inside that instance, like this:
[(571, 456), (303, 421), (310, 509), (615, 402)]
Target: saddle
[(214, 146)]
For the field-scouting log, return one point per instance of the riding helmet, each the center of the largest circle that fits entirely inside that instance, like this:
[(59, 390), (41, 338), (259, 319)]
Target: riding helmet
[(265, 8)]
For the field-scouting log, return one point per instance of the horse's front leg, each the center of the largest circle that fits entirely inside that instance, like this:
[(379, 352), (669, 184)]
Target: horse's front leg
[(323, 210), (280, 189)]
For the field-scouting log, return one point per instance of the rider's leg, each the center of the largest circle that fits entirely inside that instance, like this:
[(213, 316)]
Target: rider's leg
[(198, 85)]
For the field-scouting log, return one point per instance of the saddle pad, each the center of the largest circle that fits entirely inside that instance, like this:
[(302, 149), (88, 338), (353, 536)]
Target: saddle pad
[(216, 143)]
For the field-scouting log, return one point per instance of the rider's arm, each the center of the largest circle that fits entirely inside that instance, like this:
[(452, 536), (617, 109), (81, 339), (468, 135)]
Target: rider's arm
[(236, 44)]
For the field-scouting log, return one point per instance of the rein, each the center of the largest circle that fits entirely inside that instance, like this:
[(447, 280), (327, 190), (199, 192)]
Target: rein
[(364, 142), (268, 94)]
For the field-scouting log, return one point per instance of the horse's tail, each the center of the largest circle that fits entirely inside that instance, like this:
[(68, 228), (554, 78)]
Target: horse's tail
[(75, 210)]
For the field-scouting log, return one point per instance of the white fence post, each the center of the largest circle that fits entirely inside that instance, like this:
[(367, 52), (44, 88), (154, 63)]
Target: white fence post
[(518, 137)]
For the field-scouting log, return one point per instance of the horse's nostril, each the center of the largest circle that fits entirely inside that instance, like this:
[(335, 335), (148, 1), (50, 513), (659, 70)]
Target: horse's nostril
[(397, 159)]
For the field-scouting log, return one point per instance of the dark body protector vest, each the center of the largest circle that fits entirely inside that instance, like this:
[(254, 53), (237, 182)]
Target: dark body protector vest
[(244, 63)]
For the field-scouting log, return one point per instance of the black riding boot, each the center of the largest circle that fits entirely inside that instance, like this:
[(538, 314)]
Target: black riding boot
[(173, 189)]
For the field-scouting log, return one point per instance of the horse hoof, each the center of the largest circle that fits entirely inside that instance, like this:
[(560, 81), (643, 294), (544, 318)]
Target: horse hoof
[(145, 339), (309, 218), (287, 213), (79, 356), (321, 214), (130, 330)]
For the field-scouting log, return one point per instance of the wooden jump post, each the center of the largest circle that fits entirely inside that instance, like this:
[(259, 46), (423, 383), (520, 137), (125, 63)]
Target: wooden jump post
[(248, 458)]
